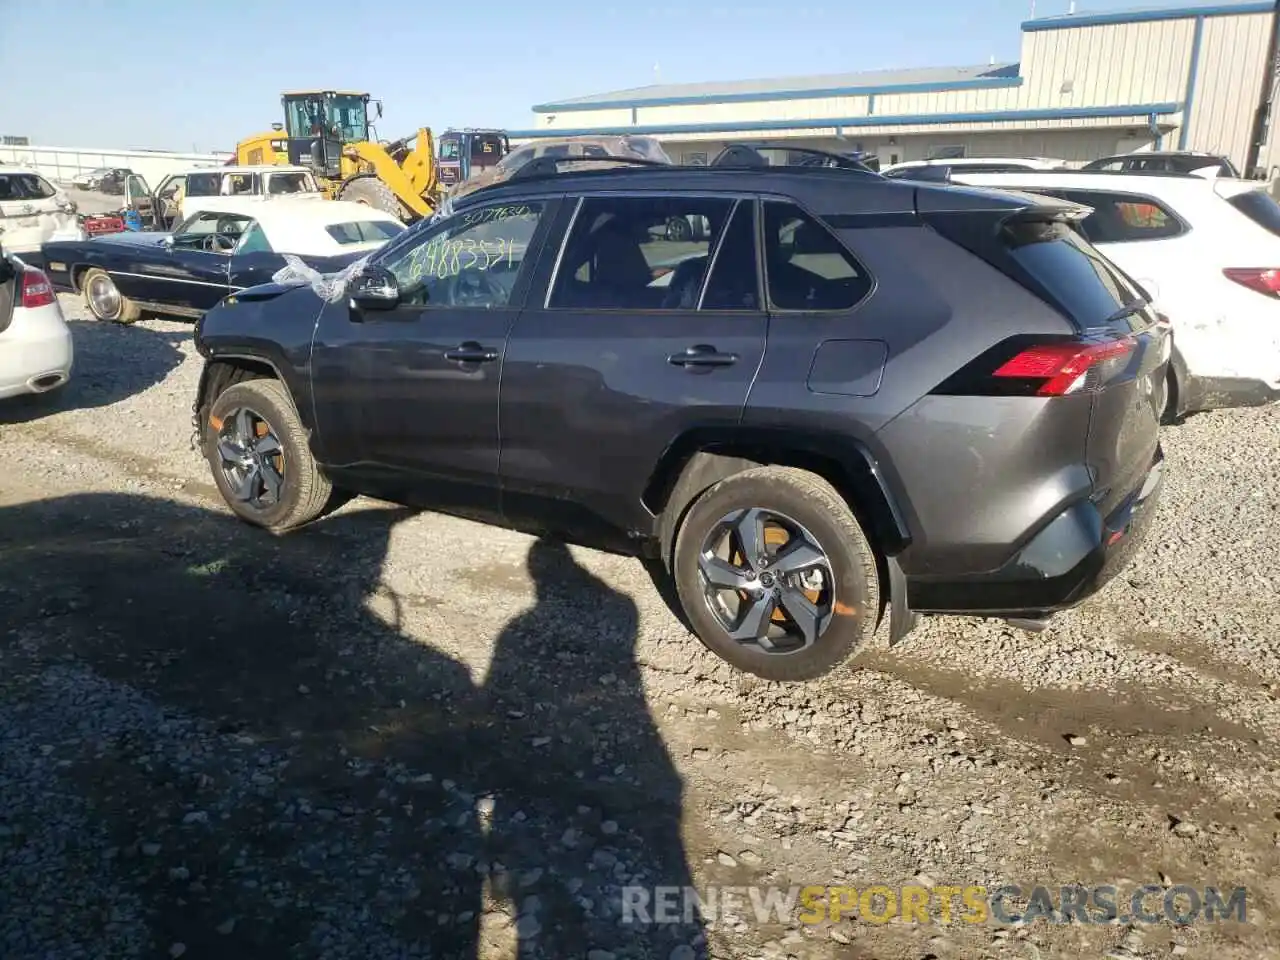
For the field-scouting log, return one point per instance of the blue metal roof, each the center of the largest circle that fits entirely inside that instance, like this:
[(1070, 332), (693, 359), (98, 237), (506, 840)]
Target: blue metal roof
[(1146, 14), (921, 80), (874, 120)]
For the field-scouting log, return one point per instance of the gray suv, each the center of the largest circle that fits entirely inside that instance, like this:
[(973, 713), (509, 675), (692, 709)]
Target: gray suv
[(853, 399)]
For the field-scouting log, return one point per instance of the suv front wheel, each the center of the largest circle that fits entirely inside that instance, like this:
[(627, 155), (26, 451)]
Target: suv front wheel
[(257, 448), (775, 574)]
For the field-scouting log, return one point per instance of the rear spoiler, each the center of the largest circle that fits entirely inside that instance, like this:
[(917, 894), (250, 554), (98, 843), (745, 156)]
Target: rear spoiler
[(1014, 204)]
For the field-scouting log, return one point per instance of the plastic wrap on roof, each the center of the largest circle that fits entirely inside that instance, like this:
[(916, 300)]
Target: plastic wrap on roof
[(330, 287)]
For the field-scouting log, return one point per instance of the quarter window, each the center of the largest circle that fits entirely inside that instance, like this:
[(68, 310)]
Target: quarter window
[(806, 266), (639, 253), (254, 240), (472, 260)]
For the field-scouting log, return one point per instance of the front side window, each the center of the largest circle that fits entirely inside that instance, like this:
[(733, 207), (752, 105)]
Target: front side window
[(136, 186), (806, 266), (203, 184), (472, 260), (638, 253)]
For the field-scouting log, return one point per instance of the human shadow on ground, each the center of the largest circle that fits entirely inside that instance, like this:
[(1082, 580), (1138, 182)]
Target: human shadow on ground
[(111, 362), (299, 778)]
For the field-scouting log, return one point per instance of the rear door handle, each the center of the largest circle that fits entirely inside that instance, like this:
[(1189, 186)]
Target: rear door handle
[(702, 355), (471, 352)]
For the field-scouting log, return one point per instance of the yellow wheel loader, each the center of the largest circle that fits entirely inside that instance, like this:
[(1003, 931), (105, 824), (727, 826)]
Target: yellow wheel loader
[(330, 132)]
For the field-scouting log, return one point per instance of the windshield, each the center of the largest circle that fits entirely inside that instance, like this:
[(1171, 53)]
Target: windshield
[(343, 117)]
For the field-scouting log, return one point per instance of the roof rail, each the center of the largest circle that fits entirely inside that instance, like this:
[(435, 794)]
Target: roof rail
[(546, 166), (749, 154)]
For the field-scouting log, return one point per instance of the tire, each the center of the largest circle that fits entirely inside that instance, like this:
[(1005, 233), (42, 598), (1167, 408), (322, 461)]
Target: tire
[(106, 302), (679, 230), (852, 596), (304, 492), (372, 192)]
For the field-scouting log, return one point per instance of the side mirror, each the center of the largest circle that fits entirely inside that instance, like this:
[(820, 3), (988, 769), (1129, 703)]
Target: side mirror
[(375, 289)]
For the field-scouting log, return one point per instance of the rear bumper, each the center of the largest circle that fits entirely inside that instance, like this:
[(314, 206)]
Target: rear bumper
[(1070, 559), (36, 365)]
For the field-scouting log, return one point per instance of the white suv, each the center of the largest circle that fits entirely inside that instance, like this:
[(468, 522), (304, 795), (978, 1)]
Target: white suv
[(33, 211), (923, 169), (1208, 253)]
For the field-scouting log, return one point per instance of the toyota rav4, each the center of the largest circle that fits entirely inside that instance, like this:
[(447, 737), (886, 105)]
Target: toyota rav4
[(847, 400)]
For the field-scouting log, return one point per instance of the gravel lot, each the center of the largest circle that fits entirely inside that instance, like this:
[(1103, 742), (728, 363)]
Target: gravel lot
[(395, 735)]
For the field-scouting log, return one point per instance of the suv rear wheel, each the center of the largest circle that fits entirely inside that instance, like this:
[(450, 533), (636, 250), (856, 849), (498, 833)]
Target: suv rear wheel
[(257, 448), (775, 574)]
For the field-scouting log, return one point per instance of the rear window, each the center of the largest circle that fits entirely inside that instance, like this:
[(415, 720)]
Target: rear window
[(25, 186), (1258, 207), (1078, 278), (290, 183), (364, 231), (1123, 218)]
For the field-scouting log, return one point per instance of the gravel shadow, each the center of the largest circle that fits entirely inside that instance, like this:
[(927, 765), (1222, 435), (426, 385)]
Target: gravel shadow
[(100, 375), (254, 765)]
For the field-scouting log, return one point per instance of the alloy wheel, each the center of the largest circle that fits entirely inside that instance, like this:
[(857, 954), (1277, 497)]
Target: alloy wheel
[(252, 459), (767, 581)]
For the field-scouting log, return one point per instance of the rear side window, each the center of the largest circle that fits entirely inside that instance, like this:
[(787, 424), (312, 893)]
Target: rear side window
[(363, 231), (806, 266), (1078, 278), (639, 253), (25, 186), (1124, 218), (1259, 207)]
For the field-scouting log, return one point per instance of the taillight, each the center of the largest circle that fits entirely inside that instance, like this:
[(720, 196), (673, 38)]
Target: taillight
[(37, 291), (1037, 367), (1264, 280)]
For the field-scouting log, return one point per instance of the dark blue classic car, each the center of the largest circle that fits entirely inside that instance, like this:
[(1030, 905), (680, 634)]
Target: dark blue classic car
[(238, 244)]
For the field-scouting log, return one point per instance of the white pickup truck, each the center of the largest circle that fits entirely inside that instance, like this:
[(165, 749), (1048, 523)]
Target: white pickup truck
[(184, 194)]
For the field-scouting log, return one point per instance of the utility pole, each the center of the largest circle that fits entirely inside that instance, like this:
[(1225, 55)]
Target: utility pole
[(1266, 97)]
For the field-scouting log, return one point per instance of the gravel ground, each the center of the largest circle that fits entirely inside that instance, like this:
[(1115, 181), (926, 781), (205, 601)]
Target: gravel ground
[(405, 735)]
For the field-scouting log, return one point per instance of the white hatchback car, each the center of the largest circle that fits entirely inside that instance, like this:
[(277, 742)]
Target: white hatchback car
[(35, 343), (33, 211), (1208, 253)]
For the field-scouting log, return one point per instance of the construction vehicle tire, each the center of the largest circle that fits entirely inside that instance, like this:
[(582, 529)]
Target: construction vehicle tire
[(372, 192)]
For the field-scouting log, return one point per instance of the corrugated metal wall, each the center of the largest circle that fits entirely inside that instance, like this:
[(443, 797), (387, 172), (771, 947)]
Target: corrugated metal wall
[(1107, 64), (1233, 53)]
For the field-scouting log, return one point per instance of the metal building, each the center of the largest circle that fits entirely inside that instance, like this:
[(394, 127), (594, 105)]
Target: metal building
[(1086, 85)]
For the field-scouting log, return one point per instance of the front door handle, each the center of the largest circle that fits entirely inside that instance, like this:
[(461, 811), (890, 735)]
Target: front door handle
[(471, 352), (702, 355)]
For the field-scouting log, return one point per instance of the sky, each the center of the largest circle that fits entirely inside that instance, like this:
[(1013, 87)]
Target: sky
[(201, 74)]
